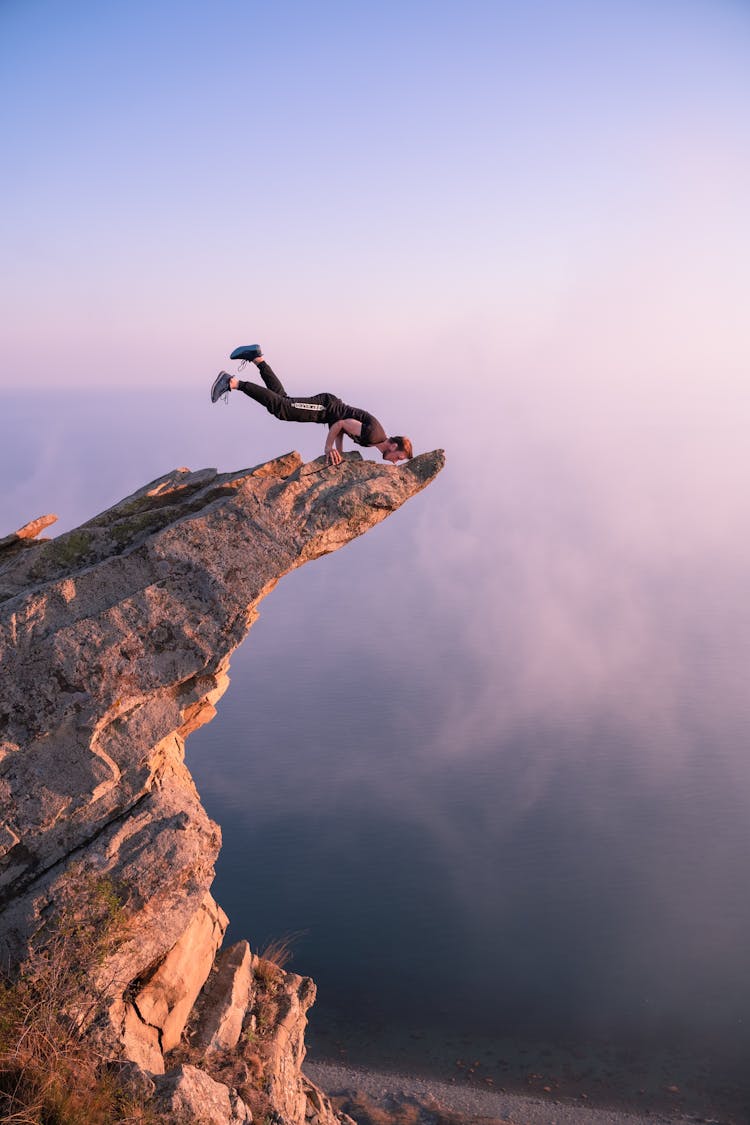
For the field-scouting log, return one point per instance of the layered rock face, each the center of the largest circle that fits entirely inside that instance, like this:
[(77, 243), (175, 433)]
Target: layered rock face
[(115, 642)]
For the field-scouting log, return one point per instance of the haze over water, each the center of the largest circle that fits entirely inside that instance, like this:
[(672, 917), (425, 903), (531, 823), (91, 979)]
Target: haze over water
[(489, 761)]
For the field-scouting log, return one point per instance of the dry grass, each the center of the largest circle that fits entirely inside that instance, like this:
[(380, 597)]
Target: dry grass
[(51, 1070), (273, 959), (279, 951)]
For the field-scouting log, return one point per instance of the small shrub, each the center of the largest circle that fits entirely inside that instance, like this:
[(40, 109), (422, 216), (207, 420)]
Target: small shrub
[(272, 960)]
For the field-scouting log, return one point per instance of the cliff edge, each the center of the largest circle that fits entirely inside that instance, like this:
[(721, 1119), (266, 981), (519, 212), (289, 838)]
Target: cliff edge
[(115, 641)]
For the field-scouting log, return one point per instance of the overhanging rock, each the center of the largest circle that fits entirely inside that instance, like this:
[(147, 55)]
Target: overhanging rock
[(115, 641)]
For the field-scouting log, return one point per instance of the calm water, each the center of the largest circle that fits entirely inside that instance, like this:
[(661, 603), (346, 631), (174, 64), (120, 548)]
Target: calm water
[(546, 899), (488, 764)]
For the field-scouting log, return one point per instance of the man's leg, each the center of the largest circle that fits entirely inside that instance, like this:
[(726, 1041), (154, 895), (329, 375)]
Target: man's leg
[(271, 380), (284, 407), (274, 397), (273, 401), (225, 382), (269, 377)]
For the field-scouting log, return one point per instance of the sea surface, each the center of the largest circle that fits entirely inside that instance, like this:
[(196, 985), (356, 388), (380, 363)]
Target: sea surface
[(487, 767)]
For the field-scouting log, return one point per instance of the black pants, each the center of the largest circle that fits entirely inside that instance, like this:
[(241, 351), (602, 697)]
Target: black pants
[(325, 407)]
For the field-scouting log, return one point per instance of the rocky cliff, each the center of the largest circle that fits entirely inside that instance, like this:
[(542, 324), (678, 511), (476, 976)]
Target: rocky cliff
[(115, 641)]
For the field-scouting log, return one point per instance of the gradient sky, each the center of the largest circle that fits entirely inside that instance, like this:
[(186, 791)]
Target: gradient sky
[(517, 231), (543, 192)]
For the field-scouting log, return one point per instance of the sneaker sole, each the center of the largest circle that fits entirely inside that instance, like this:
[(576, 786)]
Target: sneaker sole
[(221, 380)]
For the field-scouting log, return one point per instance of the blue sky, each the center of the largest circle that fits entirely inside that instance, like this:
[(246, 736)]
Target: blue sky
[(353, 184)]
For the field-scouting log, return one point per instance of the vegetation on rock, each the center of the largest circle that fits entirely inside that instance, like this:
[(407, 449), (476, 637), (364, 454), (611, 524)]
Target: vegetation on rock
[(52, 1070)]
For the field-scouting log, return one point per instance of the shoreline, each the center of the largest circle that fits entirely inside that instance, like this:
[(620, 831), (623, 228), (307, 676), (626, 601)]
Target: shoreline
[(473, 1102), (622, 1081)]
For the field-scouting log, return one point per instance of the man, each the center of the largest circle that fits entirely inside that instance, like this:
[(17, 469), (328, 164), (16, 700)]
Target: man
[(326, 409)]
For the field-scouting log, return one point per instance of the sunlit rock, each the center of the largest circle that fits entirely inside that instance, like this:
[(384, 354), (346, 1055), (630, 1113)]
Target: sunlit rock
[(189, 1094), (115, 641), (225, 999)]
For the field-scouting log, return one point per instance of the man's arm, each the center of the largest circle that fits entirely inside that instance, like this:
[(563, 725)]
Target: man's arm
[(335, 439)]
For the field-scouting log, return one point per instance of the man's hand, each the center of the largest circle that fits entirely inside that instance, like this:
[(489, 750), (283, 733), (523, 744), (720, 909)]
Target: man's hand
[(333, 457)]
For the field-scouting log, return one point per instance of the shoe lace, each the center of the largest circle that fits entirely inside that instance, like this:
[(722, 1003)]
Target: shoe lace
[(225, 396)]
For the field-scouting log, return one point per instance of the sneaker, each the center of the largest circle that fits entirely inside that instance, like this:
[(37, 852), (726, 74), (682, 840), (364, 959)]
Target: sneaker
[(220, 386), (247, 353)]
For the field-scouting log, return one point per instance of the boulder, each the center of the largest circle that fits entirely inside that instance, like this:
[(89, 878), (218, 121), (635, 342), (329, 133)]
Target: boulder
[(285, 1046), (165, 1000), (190, 1095), (29, 531), (224, 1001)]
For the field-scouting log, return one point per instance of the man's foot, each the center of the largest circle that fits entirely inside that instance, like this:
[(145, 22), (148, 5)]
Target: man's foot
[(221, 386), (247, 353)]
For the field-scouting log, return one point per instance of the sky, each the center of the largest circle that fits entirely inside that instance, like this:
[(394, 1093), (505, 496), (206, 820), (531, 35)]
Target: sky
[(520, 194)]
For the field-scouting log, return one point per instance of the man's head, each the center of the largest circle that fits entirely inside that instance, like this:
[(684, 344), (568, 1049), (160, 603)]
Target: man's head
[(397, 448)]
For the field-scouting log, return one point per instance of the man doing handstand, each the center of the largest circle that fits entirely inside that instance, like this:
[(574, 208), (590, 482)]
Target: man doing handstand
[(326, 409)]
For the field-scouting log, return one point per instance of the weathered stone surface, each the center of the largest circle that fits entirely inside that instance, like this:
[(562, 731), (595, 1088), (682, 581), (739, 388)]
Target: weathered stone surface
[(285, 1047), (29, 530), (190, 1095), (318, 1107), (141, 1042), (262, 1056), (115, 641), (164, 1002), (225, 1000)]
